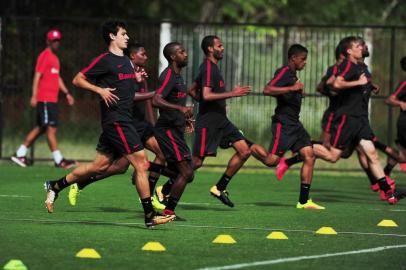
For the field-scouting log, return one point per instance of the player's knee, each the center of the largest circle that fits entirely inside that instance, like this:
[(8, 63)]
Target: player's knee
[(245, 154), (197, 163), (100, 168), (309, 158), (189, 175)]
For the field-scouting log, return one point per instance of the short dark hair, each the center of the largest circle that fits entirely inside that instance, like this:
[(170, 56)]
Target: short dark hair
[(296, 49), (208, 41), (403, 63), (346, 43), (111, 27), (339, 51), (169, 50), (133, 47)]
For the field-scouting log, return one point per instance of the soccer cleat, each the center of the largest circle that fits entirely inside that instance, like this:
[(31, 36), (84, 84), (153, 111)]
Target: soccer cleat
[(281, 168), (73, 194), (170, 212), (157, 219), (66, 164), (375, 187), (52, 195), (390, 197), (158, 193), (309, 205), (156, 204), (391, 182), (222, 195), (21, 161)]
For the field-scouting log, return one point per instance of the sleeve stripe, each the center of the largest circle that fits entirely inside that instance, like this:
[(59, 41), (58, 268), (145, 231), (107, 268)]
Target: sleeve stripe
[(167, 78), (94, 62), (208, 73), (400, 88), (279, 76), (347, 68)]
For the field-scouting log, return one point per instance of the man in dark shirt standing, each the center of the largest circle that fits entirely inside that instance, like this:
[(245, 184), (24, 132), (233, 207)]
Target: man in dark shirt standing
[(212, 124), (288, 133), (170, 98), (111, 75)]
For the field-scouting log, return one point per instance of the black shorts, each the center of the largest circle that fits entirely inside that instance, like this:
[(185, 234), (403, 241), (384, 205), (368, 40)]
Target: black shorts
[(118, 139), (47, 114), (172, 143), (144, 129), (401, 134), (211, 130), (288, 136), (327, 120), (349, 130)]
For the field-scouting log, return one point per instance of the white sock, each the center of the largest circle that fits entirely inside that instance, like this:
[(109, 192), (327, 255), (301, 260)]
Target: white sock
[(22, 151), (57, 156)]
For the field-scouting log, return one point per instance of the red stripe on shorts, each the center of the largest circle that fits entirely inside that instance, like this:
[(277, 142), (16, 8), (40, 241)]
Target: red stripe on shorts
[(277, 138), (175, 146), (123, 139), (340, 127), (203, 142)]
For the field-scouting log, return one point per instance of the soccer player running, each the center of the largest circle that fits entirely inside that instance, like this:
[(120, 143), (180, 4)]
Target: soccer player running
[(143, 120), (111, 75), (287, 130), (353, 128), (45, 90), (212, 124), (170, 98), (398, 99), (324, 88)]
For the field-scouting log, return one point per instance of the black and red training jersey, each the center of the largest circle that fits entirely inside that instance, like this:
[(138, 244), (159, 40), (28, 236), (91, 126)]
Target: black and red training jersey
[(334, 100), (210, 76), (172, 88), (400, 93), (288, 105), (113, 71)]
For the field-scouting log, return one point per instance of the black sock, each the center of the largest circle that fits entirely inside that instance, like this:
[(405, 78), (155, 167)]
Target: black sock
[(383, 184), (304, 193), (223, 182), (92, 179), (293, 160), (371, 177), (60, 184), (388, 169), (166, 189), (152, 180), (172, 203), (147, 205), (380, 146)]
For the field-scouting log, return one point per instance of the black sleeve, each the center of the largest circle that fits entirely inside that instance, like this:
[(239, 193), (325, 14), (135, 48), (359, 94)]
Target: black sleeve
[(348, 71), (281, 78), (400, 91), (166, 82), (96, 68)]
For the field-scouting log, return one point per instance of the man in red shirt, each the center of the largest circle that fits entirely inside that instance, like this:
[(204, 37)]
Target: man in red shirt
[(45, 90)]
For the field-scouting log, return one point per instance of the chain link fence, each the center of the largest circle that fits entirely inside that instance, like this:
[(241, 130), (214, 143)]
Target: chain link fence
[(252, 54)]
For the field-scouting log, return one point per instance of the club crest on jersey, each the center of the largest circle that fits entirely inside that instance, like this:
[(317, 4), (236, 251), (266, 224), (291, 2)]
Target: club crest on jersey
[(54, 71), (221, 84)]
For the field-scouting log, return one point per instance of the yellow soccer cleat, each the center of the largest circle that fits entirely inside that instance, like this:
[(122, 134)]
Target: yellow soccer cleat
[(309, 205), (158, 194), (156, 204), (73, 194)]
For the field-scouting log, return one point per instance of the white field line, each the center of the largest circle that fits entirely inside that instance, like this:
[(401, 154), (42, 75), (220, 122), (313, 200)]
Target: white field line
[(177, 224), (14, 196), (301, 258)]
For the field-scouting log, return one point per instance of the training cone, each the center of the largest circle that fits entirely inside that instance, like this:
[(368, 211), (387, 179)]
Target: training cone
[(15, 265), (326, 230), (277, 236), (387, 223), (88, 253), (224, 239), (153, 246)]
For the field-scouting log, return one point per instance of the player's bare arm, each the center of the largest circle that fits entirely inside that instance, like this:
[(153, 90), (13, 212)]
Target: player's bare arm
[(238, 91), (106, 93), (271, 90)]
